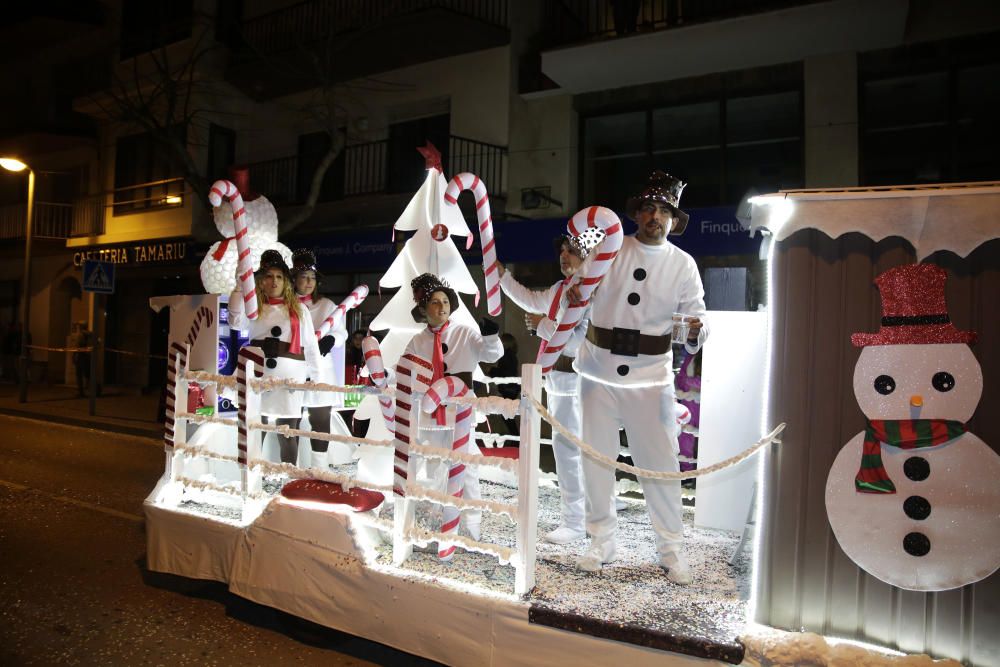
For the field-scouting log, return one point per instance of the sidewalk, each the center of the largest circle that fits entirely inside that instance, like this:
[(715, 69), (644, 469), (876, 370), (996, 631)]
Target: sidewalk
[(119, 409)]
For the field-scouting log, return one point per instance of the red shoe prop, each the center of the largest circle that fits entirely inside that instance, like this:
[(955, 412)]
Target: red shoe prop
[(314, 490)]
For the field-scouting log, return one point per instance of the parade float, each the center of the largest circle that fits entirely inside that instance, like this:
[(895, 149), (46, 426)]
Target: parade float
[(347, 546)]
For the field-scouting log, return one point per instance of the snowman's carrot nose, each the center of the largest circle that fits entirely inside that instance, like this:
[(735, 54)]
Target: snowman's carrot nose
[(916, 400)]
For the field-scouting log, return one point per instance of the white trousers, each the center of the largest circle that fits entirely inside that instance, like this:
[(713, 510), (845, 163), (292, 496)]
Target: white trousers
[(563, 391), (437, 471), (652, 441)]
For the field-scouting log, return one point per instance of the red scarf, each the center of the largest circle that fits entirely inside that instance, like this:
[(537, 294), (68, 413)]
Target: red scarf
[(902, 433), (307, 299), (437, 366), (294, 343)]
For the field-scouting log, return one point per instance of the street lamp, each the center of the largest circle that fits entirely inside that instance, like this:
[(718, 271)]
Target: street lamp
[(12, 164)]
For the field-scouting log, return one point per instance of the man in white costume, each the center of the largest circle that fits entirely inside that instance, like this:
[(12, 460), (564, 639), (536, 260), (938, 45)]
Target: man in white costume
[(626, 377), (562, 383), (449, 348)]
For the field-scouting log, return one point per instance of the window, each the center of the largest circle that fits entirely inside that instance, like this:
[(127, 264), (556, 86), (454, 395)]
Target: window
[(146, 176), (720, 147), (150, 25), (933, 126), (221, 151)]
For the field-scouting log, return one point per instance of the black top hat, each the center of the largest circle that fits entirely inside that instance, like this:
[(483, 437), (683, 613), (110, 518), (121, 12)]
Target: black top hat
[(272, 259), (423, 287), (304, 259), (664, 189)]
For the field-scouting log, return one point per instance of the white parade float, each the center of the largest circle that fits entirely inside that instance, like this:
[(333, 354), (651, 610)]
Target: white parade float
[(342, 552)]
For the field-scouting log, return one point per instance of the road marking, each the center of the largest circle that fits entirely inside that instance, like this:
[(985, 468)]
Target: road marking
[(73, 501)]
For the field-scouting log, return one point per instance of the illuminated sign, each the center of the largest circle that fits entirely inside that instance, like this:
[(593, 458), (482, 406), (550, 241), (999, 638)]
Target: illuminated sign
[(136, 253)]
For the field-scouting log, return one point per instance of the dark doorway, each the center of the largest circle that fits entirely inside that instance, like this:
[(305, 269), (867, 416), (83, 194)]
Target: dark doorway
[(405, 164)]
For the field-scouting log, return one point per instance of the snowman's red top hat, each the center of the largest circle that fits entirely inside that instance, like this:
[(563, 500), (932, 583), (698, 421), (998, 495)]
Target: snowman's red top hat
[(914, 311)]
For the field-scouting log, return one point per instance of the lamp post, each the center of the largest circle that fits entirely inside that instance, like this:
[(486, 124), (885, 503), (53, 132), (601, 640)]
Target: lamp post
[(11, 164)]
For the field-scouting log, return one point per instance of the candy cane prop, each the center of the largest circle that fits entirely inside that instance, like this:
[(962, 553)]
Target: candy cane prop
[(175, 364), (353, 300), (413, 375), (605, 220), (204, 314), (451, 387), (376, 371), (225, 189), (490, 270), (255, 355)]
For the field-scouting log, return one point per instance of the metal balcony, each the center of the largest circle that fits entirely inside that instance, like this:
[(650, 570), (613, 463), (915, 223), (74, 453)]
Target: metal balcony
[(275, 53), (52, 221), (366, 169)]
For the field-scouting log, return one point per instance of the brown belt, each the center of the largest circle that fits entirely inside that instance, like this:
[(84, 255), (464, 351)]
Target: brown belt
[(273, 347), (627, 342), (564, 364)]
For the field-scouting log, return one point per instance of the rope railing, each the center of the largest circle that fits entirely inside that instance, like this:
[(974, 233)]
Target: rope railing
[(589, 451), (405, 532)]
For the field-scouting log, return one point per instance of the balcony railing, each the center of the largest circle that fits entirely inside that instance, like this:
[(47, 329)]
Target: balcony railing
[(286, 28), (52, 220), (141, 197), (365, 169), (581, 20)]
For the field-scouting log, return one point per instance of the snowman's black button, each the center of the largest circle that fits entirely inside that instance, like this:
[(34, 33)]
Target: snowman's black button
[(639, 274), (633, 299), (444, 368), (917, 468), (917, 508), (276, 331), (916, 544), (444, 348), (623, 370), (271, 363)]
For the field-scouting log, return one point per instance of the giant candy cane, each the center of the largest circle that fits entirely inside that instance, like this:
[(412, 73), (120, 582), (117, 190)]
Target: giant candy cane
[(176, 363), (451, 387), (413, 376), (376, 371), (605, 220), (255, 355), (353, 300), (244, 268), (490, 269)]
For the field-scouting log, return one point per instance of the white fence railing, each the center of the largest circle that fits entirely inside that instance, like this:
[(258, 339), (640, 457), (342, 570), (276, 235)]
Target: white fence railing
[(404, 530)]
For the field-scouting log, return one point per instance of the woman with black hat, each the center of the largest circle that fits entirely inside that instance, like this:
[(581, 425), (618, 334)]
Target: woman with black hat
[(284, 331), (319, 405)]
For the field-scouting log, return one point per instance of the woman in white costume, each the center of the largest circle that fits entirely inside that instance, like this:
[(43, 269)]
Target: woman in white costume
[(322, 417), (283, 330)]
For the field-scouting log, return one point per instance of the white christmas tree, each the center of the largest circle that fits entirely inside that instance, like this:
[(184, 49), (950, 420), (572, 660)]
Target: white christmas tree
[(429, 250)]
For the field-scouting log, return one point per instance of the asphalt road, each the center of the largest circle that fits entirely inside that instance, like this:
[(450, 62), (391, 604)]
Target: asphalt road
[(74, 589)]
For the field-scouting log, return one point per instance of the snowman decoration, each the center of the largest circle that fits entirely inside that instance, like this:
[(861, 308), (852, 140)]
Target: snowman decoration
[(218, 269), (915, 499)]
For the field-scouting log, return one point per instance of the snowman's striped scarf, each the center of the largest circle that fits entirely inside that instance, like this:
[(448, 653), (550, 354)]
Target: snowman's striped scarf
[(902, 433)]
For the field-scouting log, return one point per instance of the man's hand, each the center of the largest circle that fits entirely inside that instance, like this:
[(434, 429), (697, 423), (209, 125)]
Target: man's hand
[(694, 327), (500, 270), (573, 295), (488, 327), (531, 321)]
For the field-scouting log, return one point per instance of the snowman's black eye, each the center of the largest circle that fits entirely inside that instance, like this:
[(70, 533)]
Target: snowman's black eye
[(885, 385), (943, 381)]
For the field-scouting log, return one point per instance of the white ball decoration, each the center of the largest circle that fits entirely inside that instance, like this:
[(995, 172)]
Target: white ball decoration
[(219, 276)]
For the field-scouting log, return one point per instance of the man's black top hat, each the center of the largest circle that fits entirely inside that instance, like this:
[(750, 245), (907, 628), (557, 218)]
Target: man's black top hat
[(664, 189)]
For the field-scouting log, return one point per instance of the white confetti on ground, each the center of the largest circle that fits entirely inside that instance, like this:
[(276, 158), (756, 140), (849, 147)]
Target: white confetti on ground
[(633, 590)]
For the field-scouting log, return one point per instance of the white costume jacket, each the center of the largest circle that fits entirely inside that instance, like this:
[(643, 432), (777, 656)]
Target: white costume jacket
[(273, 322), (463, 347), (319, 310), (645, 286), (539, 301)]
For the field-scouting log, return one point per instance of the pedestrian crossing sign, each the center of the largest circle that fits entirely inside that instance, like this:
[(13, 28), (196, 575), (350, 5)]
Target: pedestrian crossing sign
[(98, 277)]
